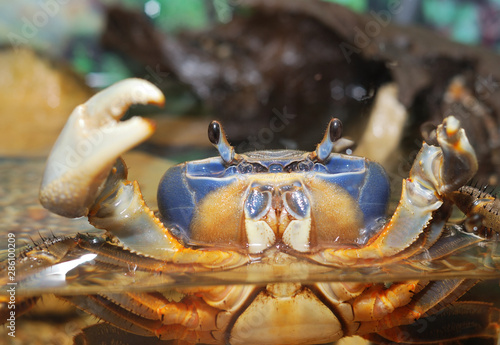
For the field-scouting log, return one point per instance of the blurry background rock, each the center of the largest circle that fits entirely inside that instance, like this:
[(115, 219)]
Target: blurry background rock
[(36, 97), (279, 69), (274, 78), (273, 71)]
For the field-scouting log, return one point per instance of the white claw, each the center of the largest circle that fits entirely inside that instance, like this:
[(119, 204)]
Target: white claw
[(115, 100), (90, 143)]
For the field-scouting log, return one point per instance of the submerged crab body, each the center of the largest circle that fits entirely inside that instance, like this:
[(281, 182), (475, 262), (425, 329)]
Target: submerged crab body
[(283, 313), (278, 222)]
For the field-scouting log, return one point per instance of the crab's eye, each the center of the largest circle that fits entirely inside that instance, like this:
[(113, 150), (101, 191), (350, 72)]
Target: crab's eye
[(217, 137), (335, 129), (333, 133), (214, 132)]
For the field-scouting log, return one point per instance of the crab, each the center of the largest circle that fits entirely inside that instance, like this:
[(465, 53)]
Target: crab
[(278, 221)]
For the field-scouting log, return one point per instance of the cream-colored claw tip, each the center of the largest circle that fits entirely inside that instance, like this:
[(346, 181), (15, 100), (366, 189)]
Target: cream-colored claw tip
[(142, 91), (91, 141), (116, 99), (452, 125)]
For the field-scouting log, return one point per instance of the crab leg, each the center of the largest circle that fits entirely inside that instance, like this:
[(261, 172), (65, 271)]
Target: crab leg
[(378, 302), (428, 301), (473, 319), (479, 204), (437, 172), (103, 333), (153, 314), (22, 305), (143, 231)]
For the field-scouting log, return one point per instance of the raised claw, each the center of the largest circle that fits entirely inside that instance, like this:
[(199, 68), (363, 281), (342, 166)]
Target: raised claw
[(435, 174), (91, 141), (460, 163), (450, 166)]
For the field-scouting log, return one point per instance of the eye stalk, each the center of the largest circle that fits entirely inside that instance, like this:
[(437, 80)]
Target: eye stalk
[(217, 137), (327, 145)]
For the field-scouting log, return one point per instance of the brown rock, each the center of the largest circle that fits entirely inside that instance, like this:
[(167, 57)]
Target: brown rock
[(36, 98)]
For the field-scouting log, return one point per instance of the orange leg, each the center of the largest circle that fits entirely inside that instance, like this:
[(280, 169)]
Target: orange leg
[(462, 320), (143, 232), (154, 314), (22, 305), (378, 302), (429, 300)]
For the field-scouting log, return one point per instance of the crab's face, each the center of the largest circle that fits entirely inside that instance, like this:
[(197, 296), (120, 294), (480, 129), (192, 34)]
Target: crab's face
[(281, 199)]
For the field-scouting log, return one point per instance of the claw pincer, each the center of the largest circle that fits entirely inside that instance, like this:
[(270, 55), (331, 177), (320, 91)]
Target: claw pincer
[(433, 177), (90, 143)]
